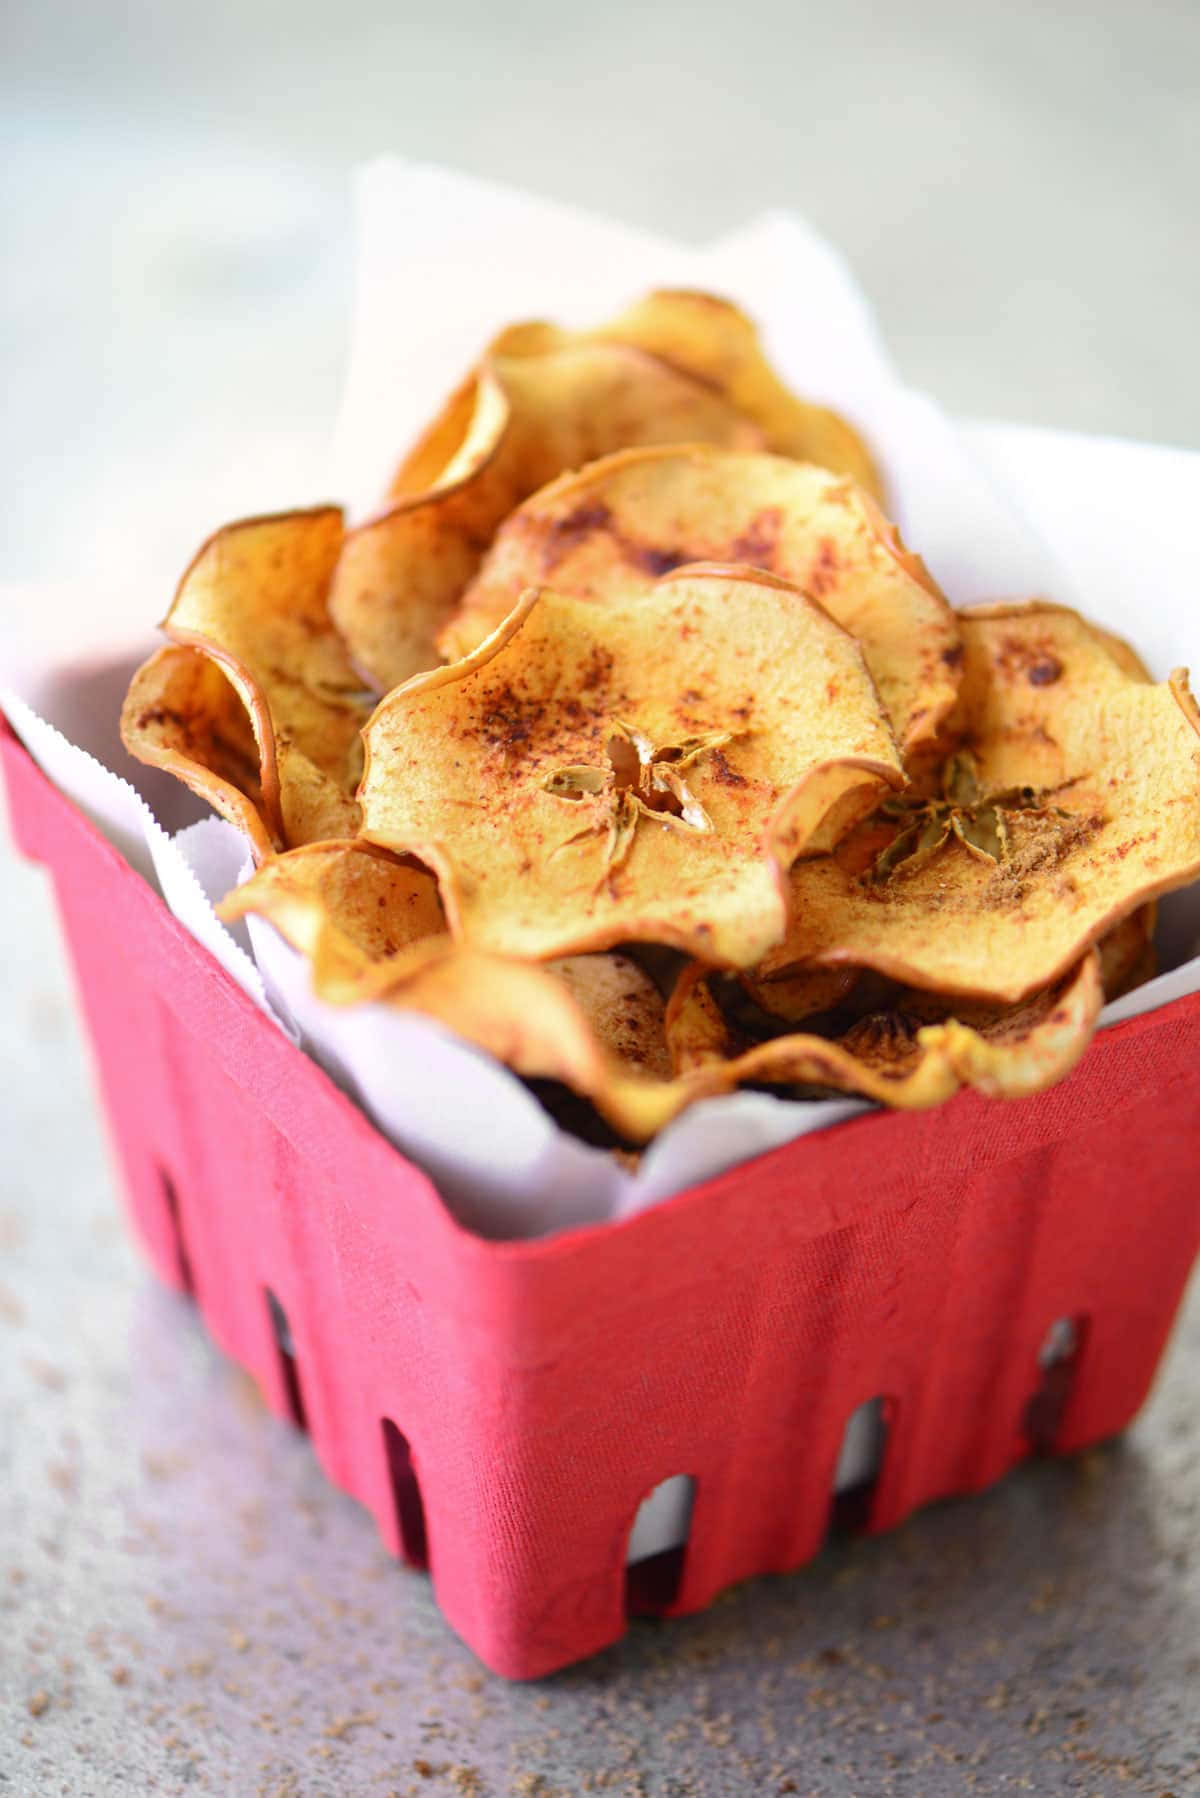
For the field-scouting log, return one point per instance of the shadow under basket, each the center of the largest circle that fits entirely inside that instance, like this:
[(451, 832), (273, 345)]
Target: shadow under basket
[(997, 1279)]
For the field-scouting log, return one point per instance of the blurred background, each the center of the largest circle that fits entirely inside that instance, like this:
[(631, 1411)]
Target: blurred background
[(1014, 183)]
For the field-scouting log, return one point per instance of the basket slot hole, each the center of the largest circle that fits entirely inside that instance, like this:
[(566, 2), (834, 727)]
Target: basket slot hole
[(1058, 1364), (406, 1495), (658, 1546), (171, 1205), (860, 1463), (289, 1370)]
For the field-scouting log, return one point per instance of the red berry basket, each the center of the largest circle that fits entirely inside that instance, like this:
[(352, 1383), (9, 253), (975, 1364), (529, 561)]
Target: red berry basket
[(504, 1408)]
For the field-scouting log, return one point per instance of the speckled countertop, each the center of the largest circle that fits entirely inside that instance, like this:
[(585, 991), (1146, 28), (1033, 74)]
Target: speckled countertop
[(185, 1603)]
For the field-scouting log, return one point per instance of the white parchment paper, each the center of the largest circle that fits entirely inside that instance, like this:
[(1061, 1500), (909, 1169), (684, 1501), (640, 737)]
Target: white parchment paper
[(996, 512)]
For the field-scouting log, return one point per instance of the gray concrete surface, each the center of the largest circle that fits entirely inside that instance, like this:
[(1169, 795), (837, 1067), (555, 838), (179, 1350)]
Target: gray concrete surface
[(184, 1600)]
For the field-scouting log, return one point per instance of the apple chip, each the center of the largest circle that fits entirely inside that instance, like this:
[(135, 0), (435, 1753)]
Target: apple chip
[(348, 906), (314, 808), (356, 912), (460, 440), (916, 1052), (373, 930), (554, 1023), (182, 714), (803, 994), (695, 333), (254, 599), (639, 771), (1073, 800), (401, 574), (1122, 653), (623, 1007), (715, 341), (635, 515), (1127, 959)]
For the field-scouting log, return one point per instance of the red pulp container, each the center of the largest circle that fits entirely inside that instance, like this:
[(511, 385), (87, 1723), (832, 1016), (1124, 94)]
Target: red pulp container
[(503, 1408)]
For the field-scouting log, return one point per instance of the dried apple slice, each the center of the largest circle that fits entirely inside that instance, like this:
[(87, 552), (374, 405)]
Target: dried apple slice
[(255, 600), (1127, 959), (314, 807), (697, 333), (460, 439), (636, 514), (356, 912), (716, 342), (552, 1023), (623, 1006), (182, 714), (348, 906), (373, 930), (401, 574), (1122, 653), (915, 1053), (639, 771), (1074, 799), (805, 994)]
